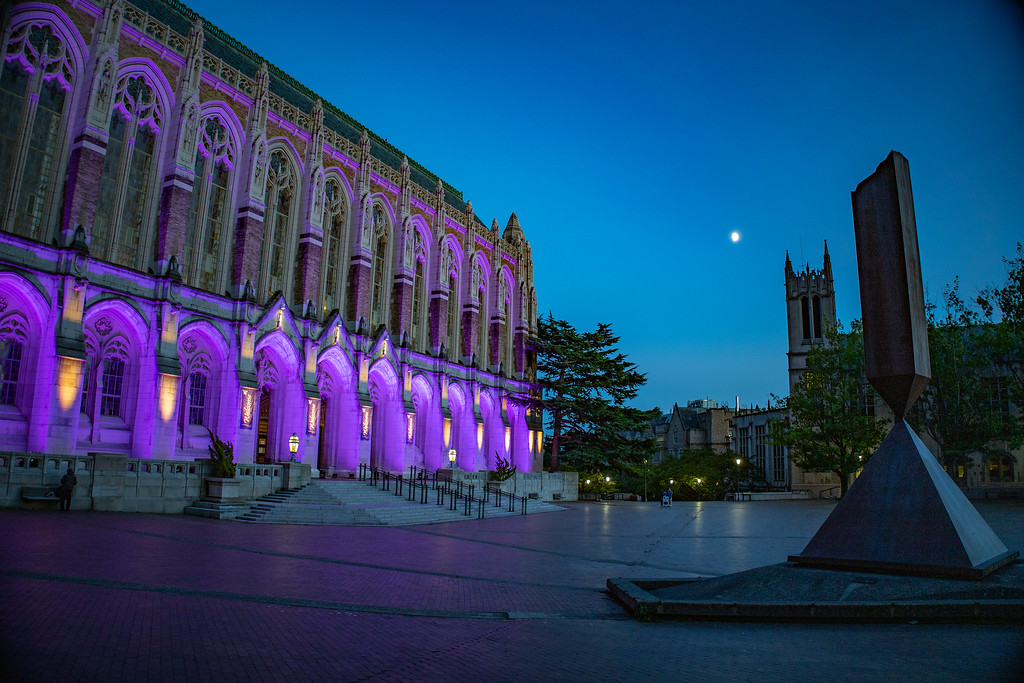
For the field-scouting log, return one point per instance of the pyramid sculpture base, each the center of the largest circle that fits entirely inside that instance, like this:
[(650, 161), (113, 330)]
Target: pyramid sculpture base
[(904, 515)]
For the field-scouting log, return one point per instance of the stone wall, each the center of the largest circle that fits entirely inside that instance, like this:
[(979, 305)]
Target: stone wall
[(547, 486), (117, 483)]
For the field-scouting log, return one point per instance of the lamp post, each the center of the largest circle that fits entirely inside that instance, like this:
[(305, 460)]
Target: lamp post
[(451, 458), (293, 445), (737, 478), (646, 468)]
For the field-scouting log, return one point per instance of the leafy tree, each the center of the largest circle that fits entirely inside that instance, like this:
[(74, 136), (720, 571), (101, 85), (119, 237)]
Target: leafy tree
[(1008, 341), (699, 474), (585, 381), (830, 427), (960, 409)]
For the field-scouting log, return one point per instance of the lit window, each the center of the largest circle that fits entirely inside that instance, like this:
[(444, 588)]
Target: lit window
[(196, 398), (10, 363), (113, 382)]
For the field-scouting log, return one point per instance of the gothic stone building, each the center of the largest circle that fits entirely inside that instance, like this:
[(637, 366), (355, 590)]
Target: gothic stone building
[(190, 240)]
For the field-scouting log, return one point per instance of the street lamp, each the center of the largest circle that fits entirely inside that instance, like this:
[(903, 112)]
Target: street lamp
[(451, 458), (293, 445)]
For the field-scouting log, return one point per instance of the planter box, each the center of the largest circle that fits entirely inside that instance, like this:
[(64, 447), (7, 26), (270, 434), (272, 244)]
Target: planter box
[(222, 490)]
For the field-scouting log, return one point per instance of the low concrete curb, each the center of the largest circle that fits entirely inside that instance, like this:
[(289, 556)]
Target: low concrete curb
[(747, 596)]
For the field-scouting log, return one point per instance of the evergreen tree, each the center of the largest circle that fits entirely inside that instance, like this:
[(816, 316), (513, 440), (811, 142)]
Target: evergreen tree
[(585, 382), (830, 426)]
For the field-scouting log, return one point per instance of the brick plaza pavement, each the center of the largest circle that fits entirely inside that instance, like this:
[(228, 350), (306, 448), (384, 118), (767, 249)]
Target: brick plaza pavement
[(109, 596)]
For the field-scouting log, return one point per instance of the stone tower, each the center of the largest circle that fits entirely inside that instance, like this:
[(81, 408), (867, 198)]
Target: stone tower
[(810, 311)]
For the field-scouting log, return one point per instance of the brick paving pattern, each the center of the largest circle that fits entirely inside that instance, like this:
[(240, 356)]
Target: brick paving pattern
[(108, 596)]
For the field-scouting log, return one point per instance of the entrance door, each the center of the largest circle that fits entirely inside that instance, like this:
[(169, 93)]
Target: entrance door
[(322, 460), (377, 436), (262, 430)]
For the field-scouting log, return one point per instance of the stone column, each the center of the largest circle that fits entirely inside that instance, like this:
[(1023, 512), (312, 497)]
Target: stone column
[(249, 220), (179, 177), (85, 165), (311, 237)]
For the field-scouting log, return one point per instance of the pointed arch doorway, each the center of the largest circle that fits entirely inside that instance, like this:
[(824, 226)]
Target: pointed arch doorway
[(263, 447)]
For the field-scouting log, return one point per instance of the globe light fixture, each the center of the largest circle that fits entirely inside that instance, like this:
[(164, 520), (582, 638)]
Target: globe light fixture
[(293, 445), (451, 458)]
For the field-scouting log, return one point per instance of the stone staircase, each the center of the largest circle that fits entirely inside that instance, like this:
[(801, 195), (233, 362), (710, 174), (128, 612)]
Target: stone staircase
[(356, 503)]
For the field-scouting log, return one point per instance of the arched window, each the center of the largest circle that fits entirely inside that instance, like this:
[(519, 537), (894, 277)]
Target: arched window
[(331, 278), (510, 333), (805, 317), (211, 208), (34, 92), (816, 310), (10, 365), (197, 398), (127, 175), (418, 286), (483, 358), (454, 348), (113, 387), (278, 200), (379, 277)]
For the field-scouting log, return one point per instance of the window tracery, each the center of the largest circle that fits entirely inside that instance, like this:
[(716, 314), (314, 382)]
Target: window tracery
[(210, 207), (10, 365), (36, 78), (197, 381), (278, 200), (128, 169), (378, 297), (334, 246), (453, 316), (482, 355)]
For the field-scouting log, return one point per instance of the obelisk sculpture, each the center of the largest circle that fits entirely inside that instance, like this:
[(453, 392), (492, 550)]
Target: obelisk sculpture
[(903, 514)]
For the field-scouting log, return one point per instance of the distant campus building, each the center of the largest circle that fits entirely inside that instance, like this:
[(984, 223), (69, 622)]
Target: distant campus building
[(810, 312), (191, 240)]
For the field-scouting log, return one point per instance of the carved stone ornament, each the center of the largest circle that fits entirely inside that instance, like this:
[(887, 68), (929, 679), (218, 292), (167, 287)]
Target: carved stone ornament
[(3, 304), (189, 344), (103, 326)]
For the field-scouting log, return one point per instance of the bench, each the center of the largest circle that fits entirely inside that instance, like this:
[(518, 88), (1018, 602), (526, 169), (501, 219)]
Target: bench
[(43, 493)]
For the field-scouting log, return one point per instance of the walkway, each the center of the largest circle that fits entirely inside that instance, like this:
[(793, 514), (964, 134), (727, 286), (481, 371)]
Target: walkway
[(110, 596)]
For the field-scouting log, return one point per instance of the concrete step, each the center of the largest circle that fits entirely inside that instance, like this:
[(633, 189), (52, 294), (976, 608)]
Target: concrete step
[(347, 502)]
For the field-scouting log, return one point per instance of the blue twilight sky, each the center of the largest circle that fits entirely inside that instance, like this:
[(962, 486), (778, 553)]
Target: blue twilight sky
[(631, 139)]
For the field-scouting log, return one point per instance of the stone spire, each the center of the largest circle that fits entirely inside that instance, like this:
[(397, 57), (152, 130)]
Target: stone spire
[(513, 231)]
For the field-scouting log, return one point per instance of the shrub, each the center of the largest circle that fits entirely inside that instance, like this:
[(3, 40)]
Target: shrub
[(222, 455)]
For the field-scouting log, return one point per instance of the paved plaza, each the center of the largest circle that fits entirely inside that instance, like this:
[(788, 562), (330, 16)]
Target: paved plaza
[(111, 596)]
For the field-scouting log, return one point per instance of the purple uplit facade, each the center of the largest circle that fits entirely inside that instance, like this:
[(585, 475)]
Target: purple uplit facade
[(184, 248)]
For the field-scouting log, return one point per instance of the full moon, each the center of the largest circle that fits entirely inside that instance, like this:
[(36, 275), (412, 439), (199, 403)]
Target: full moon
[(735, 236)]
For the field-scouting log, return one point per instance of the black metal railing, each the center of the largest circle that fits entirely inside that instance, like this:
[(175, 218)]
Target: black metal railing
[(454, 494)]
